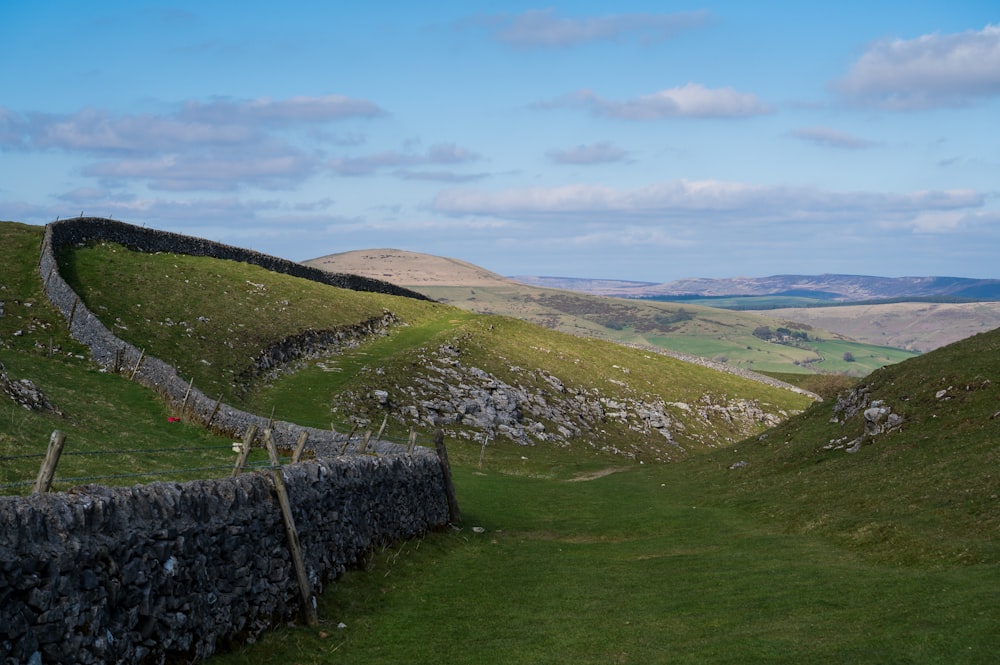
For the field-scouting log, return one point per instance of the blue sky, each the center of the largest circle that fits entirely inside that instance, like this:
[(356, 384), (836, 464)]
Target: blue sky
[(631, 140)]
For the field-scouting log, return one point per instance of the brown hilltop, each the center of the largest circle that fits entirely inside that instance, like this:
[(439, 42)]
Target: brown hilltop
[(408, 268)]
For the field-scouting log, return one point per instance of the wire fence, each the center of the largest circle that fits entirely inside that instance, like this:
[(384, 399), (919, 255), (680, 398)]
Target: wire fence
[(211, 469), (205, 470)]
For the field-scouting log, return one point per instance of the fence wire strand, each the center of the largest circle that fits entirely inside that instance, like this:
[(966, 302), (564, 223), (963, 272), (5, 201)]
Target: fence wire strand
[(138, 474)]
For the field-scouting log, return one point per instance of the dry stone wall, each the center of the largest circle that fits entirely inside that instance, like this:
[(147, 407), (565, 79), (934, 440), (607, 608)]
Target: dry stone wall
[(172, 572)]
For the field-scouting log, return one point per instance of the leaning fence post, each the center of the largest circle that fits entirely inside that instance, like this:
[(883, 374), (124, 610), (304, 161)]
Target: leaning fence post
[(241, 461), (347, 441), (187, 394), (138, 363), (48, 470), (297, 455), (305, 588), (454, 514), (215, 410), (378, 437)]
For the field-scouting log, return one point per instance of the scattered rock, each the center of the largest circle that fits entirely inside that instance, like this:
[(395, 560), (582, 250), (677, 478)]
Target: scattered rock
[(25, 393)]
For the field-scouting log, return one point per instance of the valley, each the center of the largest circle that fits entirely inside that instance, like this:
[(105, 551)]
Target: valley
[(767, 527)]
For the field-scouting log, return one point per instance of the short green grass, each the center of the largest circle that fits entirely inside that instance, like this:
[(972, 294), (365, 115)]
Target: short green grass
[(208, 317), (641, 566)]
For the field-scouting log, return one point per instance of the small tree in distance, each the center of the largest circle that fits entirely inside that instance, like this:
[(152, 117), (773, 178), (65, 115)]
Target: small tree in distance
[(848, 357)]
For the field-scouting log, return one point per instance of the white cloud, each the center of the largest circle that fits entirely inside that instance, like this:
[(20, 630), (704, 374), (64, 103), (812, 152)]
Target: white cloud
[(595, 153), (440, 153), (219, 145), (691, 100), (543, 28), (930, 71), (223, 170), (832, 138), (438, 176), (703, 202), (298, 109), (220, 122)]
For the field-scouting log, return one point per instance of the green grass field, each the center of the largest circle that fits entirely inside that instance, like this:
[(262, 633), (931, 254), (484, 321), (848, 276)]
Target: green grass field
[(646, 565), (799, 554)]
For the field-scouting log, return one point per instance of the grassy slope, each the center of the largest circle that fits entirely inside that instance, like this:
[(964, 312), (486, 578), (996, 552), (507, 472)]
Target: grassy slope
[(209, 317), (685, 328), (100, 411), (930, 491)]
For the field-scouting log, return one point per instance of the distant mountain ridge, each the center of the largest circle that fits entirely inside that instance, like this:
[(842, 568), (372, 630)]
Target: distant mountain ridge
[(824, 287)]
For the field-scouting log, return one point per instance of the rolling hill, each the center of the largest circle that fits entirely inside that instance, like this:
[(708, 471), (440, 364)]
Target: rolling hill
[(691, 330)]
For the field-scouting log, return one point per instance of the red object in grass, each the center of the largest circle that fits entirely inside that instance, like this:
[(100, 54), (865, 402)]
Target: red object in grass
[(171, 419)]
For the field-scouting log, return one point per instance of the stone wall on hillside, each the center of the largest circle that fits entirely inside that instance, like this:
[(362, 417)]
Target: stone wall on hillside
[(82, 230), (172, 572), (115, 354)]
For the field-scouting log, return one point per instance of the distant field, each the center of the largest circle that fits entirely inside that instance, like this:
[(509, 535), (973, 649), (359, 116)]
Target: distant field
[(708, 332), (741, 303), (918, 326)]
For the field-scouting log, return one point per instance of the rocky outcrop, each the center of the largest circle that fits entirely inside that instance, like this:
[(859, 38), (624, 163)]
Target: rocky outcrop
[(534, 405), (25, 393), (878, 418)]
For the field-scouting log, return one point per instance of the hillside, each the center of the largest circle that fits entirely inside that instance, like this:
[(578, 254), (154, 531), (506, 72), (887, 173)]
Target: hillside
[(233, 329), (710, 333), (409, 268), (915, 443)]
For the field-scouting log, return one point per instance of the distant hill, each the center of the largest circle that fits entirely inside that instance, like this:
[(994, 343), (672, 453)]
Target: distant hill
[(916, 326), (734, 339), (403, 267), (820, 287)]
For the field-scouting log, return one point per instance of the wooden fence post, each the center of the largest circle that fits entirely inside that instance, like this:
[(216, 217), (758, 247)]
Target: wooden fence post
[(215, 410), (48, 470), (482, 452), (297, 455), (454, 514), (72, 312), (241, 461), (381, 429), (347, 441), (413, 441), (305, 588), (186, 395), (364, 442), (138, 363)]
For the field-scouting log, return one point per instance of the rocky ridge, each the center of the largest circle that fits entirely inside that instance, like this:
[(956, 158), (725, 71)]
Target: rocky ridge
[(532, 406)]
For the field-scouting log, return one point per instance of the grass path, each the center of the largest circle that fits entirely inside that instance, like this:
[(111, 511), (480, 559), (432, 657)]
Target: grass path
[(636, 567)]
